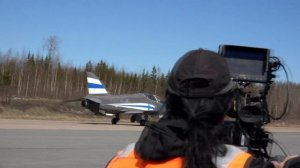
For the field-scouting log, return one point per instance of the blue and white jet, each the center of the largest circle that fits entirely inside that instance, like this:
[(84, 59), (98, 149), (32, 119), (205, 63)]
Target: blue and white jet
[(140, 105)]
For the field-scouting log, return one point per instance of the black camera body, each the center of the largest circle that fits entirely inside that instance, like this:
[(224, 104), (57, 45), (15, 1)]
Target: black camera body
[(249, 67)]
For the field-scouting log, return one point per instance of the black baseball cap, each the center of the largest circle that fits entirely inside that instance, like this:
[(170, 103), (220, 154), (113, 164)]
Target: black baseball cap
[(200, 73)]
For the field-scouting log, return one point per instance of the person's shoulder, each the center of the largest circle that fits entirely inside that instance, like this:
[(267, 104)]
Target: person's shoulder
[(124, 158), (231, 149), (234, 156), (126, 151)]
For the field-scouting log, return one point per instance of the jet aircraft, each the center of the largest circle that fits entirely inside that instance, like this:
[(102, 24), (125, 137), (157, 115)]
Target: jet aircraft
[(140, 105)]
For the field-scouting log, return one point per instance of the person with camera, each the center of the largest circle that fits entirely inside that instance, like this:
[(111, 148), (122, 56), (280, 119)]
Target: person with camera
[(189, 135)]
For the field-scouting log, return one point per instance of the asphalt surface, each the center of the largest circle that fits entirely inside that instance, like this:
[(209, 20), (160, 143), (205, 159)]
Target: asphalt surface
[(60, 148), (91, 146)]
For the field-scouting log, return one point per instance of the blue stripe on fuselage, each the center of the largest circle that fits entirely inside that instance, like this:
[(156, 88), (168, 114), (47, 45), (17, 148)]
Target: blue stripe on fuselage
[(95, 86), (148, 107)]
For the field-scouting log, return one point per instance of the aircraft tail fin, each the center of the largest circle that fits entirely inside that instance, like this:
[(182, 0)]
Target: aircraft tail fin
[(94, 84)]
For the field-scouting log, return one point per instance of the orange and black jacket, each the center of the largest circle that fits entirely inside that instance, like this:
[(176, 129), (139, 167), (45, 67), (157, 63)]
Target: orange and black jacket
[(161, 146), (127, 158)]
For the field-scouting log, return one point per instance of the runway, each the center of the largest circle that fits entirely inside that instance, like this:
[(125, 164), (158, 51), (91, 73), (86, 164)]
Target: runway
[(61, 148), (64, 146)]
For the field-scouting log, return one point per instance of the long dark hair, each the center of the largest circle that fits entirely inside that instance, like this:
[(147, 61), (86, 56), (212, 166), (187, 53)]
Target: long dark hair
[(204, 117)]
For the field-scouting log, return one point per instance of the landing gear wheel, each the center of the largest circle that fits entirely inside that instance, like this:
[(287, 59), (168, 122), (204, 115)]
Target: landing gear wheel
[(115, 120), (133, 118), (143, 122)]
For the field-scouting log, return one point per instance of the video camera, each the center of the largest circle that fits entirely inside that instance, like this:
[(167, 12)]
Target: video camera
[(252, 69)]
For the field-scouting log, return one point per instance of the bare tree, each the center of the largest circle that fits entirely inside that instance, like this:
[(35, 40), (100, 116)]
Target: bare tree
[(52, 46)]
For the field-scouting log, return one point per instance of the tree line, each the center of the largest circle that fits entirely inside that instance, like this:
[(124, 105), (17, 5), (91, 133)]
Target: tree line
[(32, 75)]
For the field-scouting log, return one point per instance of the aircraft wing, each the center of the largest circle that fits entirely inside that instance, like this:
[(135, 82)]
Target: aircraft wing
[(115, 109), (140, 112), (127, 109)]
